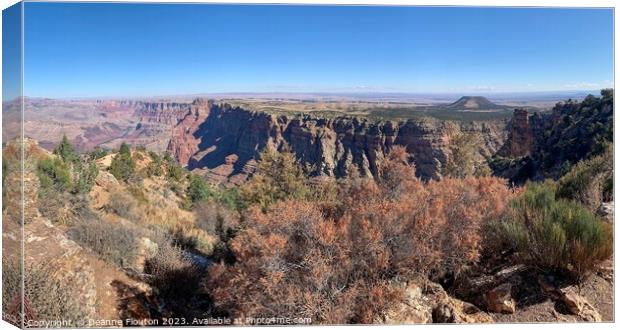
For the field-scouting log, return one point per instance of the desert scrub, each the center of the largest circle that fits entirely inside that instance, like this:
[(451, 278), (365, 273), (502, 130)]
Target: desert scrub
[(177, 280), (124, 205), (155, 166), (590, 181), (174, 171), (47, 298), (556, 234), (65, 208), (115, 243), (340, 258)]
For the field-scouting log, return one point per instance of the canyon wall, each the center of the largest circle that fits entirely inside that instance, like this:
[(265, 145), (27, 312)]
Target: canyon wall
[(544, 145), (222, 142)]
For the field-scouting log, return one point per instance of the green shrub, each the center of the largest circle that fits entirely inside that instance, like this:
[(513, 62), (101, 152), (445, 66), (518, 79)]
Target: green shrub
[(155, 167), (54, 174), (463, 160), (123, 166), (66, 151), (556, 234), (113, 242), (199, 189), (589, 182), (278, 177), (97, 153), (231, 199), (174, 171), (85, 175)]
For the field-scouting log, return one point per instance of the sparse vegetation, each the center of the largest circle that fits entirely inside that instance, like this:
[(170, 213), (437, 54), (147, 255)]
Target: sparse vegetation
[(123, 205), (589, 182), (113, 242), (47, 297), (176, 278)]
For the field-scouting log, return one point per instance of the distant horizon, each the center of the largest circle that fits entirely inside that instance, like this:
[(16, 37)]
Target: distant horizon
[(516, 95)]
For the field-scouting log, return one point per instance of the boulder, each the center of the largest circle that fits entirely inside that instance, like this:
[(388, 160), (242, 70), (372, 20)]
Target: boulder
[(414, 309), (106, 179), (499, 300), (451, 310), (578, 305), (606, 211), (430, 303), (146, 249), (606, 270)]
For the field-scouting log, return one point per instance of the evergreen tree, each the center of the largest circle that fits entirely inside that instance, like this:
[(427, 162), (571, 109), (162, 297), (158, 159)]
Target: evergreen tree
[(277, 177), (123, 166), (66, 151)]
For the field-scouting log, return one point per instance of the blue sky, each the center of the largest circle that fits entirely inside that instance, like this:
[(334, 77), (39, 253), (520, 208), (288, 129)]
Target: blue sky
[(77, 50), (12, 52)]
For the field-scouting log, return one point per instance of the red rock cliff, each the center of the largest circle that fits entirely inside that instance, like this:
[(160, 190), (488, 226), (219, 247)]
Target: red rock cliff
[(221, 141)]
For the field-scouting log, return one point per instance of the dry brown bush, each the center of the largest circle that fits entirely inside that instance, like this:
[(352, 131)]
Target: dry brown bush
[(123, 205), (337, 264), (113, 242), (174, 276), (214, 218), (46, 298)]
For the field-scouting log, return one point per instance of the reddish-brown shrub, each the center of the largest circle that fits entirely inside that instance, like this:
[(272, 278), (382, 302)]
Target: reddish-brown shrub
[(301, 259)]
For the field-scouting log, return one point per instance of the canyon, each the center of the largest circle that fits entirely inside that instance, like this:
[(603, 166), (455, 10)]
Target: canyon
[(222, 140)]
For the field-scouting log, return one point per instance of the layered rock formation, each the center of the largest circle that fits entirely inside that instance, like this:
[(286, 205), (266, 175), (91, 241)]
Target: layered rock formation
[(521, 134), (158, 112), (545, 145), (224, 141)]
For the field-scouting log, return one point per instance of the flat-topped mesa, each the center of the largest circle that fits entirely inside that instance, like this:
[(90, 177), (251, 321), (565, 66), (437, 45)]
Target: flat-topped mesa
[(226, 140)]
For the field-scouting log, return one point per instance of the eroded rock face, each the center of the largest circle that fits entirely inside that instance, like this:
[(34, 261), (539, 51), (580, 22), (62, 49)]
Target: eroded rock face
[(521, 135), (542, 144), (224, 141)]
